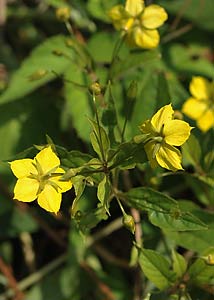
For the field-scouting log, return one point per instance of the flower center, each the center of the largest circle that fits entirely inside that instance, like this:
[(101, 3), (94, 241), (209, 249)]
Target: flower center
[(44, 179)]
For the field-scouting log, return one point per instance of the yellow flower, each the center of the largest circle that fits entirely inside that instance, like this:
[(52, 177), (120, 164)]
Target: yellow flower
[(162, 133), (139, 22), (200, 106), (40, 178)]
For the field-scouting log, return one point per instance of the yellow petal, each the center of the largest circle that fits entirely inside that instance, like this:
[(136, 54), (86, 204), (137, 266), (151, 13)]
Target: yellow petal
[(194, 108), (150, 148), (134, 7), (119, 16), (26, 189), (200, 88), (169, 157), (47, 159), (206, 121), (153, 16), (162, 116), (146, 38), (49, 199), (176, 132), (23, 167), (63, 185)]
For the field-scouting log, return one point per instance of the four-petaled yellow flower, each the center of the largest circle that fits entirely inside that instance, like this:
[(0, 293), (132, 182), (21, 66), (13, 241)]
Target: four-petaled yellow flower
[(139, 22), (39, 178), (200, 106), (162, 133)]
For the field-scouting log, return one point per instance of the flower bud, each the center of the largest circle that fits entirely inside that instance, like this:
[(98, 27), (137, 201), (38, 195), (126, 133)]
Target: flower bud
[(129, 223), (95, 88), (63, 14), (209, 259), (78, 215), (132, 91), (178, 115), (69, 42)]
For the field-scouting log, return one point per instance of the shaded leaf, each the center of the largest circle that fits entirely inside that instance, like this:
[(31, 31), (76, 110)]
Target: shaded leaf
[(128, 155), (42, 60), (179, 264), (156, 268)]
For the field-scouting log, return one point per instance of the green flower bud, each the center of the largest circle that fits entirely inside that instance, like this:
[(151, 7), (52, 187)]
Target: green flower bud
[(209, 259), (63, 14), (78, 215), (132, 91), (69, 42), (129, 223), (95, 88)]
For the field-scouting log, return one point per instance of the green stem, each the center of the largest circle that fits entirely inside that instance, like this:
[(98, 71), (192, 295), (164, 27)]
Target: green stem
[(115, 53), (99, 131)]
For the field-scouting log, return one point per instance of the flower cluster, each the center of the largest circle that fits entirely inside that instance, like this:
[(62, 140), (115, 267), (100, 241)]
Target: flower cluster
[(162, 133), (139, 22), (39, 178), (200, 106)]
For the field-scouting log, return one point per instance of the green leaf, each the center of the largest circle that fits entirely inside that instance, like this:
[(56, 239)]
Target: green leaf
[(176, 221), (132, 61), (209, 163), (104, 191), (179, 264), (99, 140), (164, 211), (79, 184), (74, 110), (202, 186), (105, 41), (156, 268), (128, 155), (89, 220), (99, 8), (41, 61), (109, 114), (197, 11), (183, 60), (163, 94), (191, 151), (74, 159), (197, 241), (148, 199)]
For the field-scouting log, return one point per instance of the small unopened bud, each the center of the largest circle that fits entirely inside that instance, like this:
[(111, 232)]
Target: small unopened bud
[(132, 91), (38, 74), (209, 259), (95, 88), (63, 14), (128, 222), (69, 42), (178, 115), (78, 215)]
